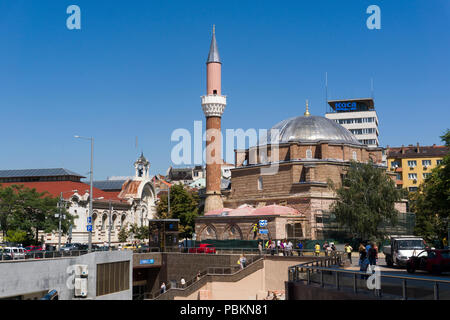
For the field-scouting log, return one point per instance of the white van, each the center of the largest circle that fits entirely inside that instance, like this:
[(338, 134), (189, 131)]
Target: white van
[(15, 252)]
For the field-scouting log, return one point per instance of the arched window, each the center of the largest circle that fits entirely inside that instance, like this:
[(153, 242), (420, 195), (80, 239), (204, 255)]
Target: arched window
[(104, 217), (355, 157), (260, 183)]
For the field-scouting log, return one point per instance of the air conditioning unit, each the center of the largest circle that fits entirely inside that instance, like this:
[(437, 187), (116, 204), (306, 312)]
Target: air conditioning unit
[(81, 287), (81, 270)]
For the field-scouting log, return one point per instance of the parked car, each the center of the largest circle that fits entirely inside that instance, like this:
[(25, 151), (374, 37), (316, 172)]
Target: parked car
[(431, 260), (33, 248), (4, 254), (71, 247), (129, 246), (15, 252), (35, 254), (203, 248)]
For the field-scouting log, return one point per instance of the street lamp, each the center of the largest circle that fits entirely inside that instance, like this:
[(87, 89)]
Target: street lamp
[(60, 215), (91, 194)]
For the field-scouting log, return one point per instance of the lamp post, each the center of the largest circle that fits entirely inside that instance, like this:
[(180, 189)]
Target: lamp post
[(60, 215), (91, 191)]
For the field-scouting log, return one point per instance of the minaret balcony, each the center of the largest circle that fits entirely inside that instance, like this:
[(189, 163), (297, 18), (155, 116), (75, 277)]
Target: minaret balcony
[(214, 99), (213, 105)]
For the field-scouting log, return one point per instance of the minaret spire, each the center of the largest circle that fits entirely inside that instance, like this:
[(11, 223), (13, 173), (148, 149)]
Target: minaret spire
[(213, 55), (307, 114)]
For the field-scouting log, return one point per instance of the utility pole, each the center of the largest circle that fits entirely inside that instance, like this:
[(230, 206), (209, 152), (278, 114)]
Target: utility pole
[(60, 217), (168, 213), (109, 235)]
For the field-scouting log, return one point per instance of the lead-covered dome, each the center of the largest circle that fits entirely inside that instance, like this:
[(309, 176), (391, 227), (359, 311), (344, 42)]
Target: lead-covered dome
[(312, 129)]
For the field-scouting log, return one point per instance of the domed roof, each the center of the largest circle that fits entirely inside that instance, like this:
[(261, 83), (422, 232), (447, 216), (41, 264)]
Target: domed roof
[(312, 129)]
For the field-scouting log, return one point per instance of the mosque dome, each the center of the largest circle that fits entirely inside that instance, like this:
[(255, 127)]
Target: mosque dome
[(309, 128)]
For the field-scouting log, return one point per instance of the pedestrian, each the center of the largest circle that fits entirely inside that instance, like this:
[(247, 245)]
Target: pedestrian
[(255, 230), (376, 249), (317, 249), (163, 287), (361, 249), (363, 263), (198, 275), (290, 247), (368, 246), (260, 248), (372, 255), (272, 248), (278, 246), (300, 248), (182, 282), (324, 247), (282, 248), (328, 251), (348, 249), (241, 262)]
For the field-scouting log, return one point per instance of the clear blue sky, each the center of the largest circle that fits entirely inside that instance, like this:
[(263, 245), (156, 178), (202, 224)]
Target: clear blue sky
[(137, 68)]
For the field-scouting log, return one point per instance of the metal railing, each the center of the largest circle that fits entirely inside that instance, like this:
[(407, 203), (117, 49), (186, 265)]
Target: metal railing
[(390, 286), (246, 251), (226, 270)]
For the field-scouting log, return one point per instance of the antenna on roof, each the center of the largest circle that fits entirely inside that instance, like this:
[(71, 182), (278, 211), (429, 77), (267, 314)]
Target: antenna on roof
[(326, 92), (371, 88)]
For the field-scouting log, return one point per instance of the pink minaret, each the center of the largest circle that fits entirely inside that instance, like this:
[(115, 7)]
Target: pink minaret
[(213, 105)]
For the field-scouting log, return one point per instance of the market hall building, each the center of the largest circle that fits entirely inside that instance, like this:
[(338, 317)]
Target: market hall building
[(116, 203)]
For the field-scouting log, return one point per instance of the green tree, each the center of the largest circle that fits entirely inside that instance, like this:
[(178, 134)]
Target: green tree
[(123, 234), (17, 236), (31, 211), (8, 205), (183, 206), (366, 199), (140, 233), (431, 202)]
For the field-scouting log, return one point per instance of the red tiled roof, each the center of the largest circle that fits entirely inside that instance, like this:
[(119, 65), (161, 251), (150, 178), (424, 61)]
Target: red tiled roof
[(56, 187)]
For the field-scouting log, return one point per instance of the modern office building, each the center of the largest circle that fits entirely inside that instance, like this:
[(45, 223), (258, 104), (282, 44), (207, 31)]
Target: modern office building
[(413, 164), (358, 116)]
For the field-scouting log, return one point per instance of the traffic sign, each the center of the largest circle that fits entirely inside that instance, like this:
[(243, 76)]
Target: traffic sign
[(147, 261), (262, 223), (89, 220), (263, 231), (89, 227)]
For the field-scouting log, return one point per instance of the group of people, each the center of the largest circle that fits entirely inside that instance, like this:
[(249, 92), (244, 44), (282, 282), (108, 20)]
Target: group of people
[(285, 247), (368, 255), (328, 248)]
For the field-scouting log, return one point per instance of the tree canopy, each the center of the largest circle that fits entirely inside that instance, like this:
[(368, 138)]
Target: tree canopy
[(24, 212), (366, 199), (431, 202), (183, 206)]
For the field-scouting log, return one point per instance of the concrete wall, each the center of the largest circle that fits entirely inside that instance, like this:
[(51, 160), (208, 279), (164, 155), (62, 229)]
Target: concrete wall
[(29, 276)]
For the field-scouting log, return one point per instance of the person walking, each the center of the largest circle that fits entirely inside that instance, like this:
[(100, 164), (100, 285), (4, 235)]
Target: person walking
[(300, 248), (361, 249), (324, 247), (260, 248), (255, 230), (363, 263), (198, 275), (182, 282), (348, 249), (372, 255), (163, 287), (317, 249), (290, 247), (272, 248)]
